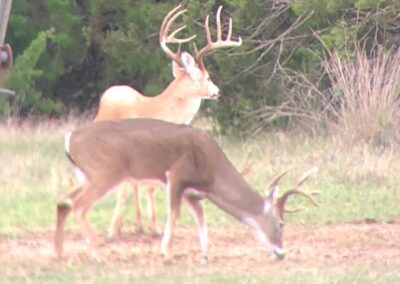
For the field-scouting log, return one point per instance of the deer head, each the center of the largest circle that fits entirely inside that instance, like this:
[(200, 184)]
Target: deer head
[(184, 65), (269, 224)]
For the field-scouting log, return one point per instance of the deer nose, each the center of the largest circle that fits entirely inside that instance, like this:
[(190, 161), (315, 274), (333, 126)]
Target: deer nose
[(216, 96), (279, 253)]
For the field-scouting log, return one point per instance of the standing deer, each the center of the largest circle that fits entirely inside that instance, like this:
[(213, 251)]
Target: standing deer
[(178, 103), (187, 160)]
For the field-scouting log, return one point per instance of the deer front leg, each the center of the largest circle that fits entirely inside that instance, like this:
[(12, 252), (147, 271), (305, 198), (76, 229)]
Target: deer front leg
[(151, 206), (63, 209), (114, 230), (198, 212), (174, 196)]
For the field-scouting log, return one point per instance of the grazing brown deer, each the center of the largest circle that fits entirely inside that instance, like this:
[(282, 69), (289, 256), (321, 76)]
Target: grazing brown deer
[(178, 103), (187, 160)]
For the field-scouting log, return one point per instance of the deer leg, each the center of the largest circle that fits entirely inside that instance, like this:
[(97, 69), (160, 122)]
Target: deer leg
[(114, 230), (138, 211), (80, 206), (174, 195), (197, 211), (63, 209), (151, 206)]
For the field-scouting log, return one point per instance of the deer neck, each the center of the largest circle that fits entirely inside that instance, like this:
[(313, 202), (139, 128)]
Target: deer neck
[(183, 88), (234, 195), (182, 98)]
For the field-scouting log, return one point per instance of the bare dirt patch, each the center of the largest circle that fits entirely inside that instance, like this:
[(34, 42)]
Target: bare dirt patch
[(333, 246)]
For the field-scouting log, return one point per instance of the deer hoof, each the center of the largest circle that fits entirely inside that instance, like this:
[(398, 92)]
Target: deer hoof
[(110, 239), (138, 229), (167, 259), (65, 204), (155, 233), (204, 259)]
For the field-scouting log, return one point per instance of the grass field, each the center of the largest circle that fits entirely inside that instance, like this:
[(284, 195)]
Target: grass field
[(358, 184)]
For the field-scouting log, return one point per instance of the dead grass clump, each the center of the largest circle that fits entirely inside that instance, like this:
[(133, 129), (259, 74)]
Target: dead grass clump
[(365, 89)]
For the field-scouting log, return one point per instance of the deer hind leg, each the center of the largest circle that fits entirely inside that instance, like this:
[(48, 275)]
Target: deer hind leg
[(198, 212), (174, 196), (114, 230), (138, 210), (82, 202)]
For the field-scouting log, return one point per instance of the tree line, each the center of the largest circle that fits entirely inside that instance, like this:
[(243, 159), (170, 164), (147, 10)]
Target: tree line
[(67, 52)]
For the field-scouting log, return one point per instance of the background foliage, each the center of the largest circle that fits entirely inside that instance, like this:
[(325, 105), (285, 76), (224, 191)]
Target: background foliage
[(69, 51)]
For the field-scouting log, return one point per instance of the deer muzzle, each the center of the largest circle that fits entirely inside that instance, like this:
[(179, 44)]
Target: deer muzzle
[(279, 253), (215, 96)]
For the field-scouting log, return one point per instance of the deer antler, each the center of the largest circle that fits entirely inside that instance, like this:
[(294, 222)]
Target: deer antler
[(276, 180), (219, 43), (165, 38), (281, 201)]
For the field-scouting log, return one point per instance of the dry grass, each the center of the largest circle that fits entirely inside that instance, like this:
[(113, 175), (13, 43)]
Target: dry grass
[(365, 91), (360, 107)]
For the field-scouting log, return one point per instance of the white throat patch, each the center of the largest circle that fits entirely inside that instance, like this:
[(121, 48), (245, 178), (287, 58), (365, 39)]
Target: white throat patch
[(67, 139), (267, 206)]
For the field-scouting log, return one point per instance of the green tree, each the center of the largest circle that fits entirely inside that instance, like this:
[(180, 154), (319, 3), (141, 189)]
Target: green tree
[(23, 79), (64, 49)]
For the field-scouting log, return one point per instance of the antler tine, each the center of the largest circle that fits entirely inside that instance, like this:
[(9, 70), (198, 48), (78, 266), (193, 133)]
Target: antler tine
[(276, 180), (280, 203), (207, 26), (165, 38), (219, 28), (167, 19), (305, 176), (229, 36), (171, 38), (219, 43), (310, 196), (293, 210)]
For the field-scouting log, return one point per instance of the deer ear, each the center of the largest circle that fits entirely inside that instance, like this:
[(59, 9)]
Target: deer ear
[(270, 199), (176, 69), (190, 66)]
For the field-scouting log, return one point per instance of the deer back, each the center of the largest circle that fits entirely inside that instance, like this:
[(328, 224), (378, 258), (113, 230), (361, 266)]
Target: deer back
[(143, 149)]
